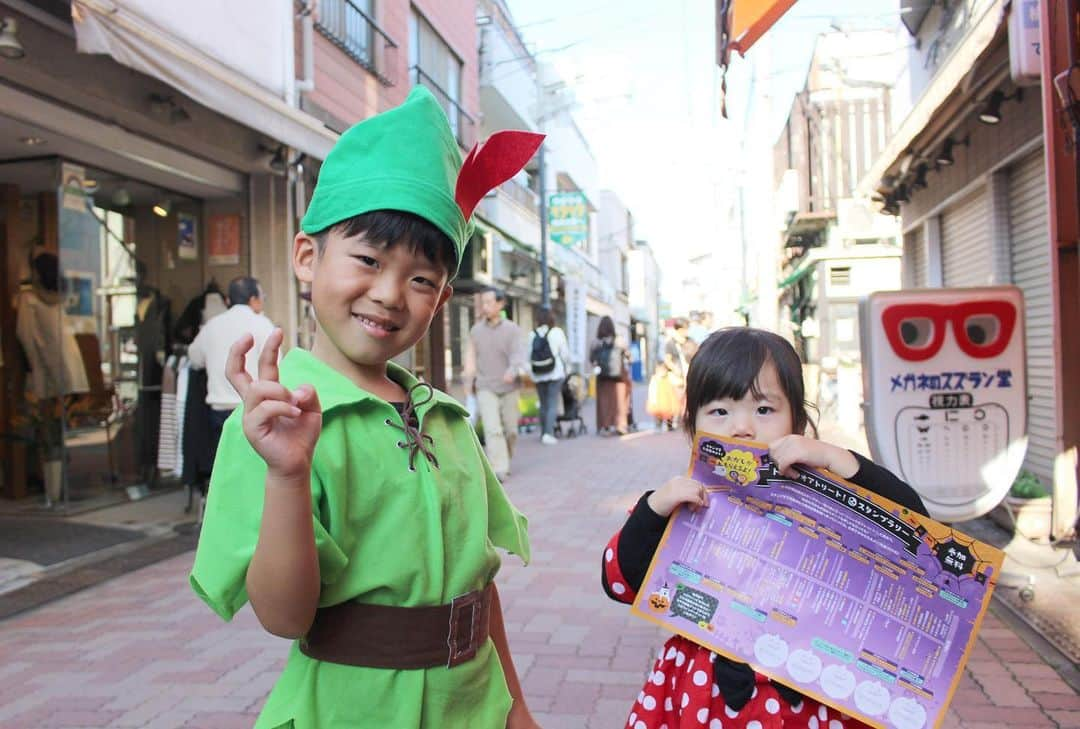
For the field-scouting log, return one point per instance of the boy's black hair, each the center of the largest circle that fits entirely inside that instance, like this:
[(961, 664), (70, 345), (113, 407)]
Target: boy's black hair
[(727, 366), (387, 228)]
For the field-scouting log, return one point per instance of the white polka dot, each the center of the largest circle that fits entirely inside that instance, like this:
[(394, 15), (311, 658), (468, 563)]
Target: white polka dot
[(772, 706), (813, 723), (685, 699), (836, 724), (753, 724), (670, 653), (730, 711), (703, 715), (715, 690), (700, 678), (753, 694), (641, 725), (797, 708), (618, 588), (680, 658), (633, 718), (668, 706), (822, 713), (608, 555), (641, 696), (649, 703), (690, 667), (715, 724), (658, 678)]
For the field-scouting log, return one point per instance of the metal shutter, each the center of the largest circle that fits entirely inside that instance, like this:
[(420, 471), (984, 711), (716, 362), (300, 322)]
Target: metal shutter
[(1029, 235), (966, 251), (915, 273)]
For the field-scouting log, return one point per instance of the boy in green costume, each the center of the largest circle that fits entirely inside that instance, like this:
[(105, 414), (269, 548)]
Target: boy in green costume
[(351, 504)]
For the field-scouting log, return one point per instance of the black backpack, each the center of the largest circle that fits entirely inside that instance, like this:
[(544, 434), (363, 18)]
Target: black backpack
[(542, 358), (610, 360)]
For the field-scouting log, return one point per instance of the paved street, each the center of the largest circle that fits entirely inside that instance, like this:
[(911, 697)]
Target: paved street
[(141, 651)]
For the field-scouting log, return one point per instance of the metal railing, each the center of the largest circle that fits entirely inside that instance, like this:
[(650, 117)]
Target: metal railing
[(461, 123), (357, 34), (522, 195)]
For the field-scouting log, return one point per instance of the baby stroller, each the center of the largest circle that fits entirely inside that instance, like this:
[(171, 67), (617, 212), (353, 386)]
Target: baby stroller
[(574, 393)]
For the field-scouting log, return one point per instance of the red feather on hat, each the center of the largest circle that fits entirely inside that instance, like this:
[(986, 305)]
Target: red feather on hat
[(490, 164)]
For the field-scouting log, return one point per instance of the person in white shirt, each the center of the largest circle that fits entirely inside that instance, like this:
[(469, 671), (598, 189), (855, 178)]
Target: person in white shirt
[(210, 350), (548, 376)]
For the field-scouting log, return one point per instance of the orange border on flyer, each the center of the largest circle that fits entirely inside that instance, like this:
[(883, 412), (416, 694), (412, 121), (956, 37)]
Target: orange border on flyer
[(998, 557)]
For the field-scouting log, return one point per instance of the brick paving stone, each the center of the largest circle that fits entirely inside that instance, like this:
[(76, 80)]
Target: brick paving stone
[(141, 651)]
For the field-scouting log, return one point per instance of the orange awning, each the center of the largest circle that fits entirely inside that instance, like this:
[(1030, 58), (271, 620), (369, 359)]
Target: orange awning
[(749, 19)]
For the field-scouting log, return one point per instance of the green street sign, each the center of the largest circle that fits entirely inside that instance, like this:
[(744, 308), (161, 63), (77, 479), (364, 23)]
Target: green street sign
[(568, 219)]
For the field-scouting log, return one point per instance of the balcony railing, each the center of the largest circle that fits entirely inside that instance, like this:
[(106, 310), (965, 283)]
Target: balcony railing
[(521, 195), (354, 32), (461, 123)]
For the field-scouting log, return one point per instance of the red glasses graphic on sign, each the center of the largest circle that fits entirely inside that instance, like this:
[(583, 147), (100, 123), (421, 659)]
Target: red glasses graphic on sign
[(982, 328)]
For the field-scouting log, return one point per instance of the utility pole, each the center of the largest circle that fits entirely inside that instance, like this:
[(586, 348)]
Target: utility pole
[(545, 284)]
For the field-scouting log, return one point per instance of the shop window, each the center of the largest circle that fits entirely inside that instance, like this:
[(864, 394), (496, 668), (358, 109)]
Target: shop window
[(433, 64)]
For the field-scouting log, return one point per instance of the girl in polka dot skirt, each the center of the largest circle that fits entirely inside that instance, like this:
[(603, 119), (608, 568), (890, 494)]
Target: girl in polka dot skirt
[(742, 383)]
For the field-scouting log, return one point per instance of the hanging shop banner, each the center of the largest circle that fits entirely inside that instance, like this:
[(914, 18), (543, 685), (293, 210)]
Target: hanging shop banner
[(187, 243), (79, 242), (945, 392), (223, 247), (568, 219), (576, 320), (822, 585)]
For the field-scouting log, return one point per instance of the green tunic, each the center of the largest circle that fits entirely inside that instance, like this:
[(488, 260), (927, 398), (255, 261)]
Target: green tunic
[(385, 535)]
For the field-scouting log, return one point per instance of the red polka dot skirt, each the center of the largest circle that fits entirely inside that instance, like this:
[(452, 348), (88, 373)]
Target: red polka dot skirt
[(680, 694)]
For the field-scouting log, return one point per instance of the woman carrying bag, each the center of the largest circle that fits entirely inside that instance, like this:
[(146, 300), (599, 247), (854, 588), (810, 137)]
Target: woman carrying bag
[(549, 354)]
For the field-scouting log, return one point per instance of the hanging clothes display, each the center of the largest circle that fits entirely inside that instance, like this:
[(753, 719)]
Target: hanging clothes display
[(167, 429), (183, 370)]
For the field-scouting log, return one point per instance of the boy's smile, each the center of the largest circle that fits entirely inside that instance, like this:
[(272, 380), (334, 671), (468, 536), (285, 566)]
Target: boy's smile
[(372, 301)]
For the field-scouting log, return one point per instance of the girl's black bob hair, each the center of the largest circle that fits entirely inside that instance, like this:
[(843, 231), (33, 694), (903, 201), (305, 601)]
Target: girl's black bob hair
[(727, 366)]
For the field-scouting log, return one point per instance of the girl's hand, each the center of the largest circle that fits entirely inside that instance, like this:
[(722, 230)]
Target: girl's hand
[(282, 426), (792, 449), (520, 718), (679, 490)]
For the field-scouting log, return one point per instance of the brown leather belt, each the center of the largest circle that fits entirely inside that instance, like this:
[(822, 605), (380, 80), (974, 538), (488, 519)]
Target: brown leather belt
[(387, 636)]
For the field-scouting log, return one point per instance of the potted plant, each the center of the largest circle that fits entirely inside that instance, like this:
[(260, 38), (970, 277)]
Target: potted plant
[(1027, 508)]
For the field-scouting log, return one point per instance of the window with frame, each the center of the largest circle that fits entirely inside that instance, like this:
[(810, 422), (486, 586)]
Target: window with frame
[(433, 64), (350, 25)]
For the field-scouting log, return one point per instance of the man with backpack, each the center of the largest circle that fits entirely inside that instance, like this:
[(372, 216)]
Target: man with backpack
[(548, 355), (495, 361)]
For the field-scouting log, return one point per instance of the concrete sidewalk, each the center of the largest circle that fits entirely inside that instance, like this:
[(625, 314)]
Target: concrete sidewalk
[(141, 651)]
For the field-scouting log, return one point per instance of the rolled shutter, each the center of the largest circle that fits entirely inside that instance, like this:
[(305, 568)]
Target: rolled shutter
[(1029, 234), (966, 254), (915, 263)]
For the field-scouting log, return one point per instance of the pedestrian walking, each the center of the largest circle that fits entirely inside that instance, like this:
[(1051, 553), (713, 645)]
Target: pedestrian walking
[(351, 503), (661, 402), (548, 358), (210, 350), (495, 362), (743, 383), (611, 362)]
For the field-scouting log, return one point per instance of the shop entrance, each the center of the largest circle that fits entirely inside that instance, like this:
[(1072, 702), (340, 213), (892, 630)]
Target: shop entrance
[(96, 276)]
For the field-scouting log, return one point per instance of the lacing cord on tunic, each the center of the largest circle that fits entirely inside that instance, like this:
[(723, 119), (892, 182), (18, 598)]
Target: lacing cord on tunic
[(415, 440)]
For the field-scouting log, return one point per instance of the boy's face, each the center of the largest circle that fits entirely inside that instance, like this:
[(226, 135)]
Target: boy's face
[(372, 302)]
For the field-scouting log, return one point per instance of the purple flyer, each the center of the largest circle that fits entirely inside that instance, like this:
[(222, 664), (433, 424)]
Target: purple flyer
[(821, 585)]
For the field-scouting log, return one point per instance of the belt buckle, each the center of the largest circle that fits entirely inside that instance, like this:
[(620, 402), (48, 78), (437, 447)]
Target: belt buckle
[(464, 627)]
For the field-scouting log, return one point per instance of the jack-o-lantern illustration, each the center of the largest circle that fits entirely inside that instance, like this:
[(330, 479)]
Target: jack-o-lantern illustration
[(660, 600)]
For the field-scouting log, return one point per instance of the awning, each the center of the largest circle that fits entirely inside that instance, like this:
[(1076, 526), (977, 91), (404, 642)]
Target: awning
[(746, 21), (941, 87), (130, 37)]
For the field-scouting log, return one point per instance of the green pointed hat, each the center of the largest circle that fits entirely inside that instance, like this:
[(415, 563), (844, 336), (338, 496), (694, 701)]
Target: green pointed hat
[(407, 159)]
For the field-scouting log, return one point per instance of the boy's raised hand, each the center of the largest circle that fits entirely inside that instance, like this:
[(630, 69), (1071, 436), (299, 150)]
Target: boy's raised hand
[(793, 449), (282, 426), (679, 490)]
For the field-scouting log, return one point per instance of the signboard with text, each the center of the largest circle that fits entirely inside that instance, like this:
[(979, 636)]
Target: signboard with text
[(568, 219)]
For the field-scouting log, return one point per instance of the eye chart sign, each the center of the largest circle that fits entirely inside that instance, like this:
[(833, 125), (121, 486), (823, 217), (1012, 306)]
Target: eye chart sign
[(821, 585), (946, 393)]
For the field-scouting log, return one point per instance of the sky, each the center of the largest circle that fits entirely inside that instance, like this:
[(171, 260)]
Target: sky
[(647, 85)]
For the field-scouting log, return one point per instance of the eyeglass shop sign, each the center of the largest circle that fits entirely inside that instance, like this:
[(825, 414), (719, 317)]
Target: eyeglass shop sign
[(568, 219)]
